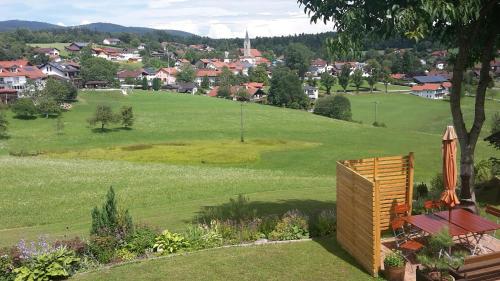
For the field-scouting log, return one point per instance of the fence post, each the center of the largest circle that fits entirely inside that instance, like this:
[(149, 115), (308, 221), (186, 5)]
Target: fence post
[(376, 228), (409, 198)]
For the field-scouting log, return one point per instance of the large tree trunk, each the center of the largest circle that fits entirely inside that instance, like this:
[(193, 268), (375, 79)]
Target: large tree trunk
[(468, 139)]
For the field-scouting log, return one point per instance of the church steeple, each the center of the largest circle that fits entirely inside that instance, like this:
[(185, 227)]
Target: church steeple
[(247, 46)]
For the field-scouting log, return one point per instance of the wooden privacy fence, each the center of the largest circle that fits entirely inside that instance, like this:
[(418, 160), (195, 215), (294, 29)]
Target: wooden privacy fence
[(367, 190)]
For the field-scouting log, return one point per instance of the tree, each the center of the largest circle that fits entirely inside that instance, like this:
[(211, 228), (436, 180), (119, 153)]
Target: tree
[(205, 83), (54, 90), (187, 74), (98, 69), (373, 69), (328, 81), (259, 75), (386, 79), (48, 107), (495, 123), (286, 89), (357, 79), (242, 94), (127, 116), (156, 84), (224, 92), (311, 81), (103, 115), (24, 108), (227, 77), (471, 27), (108, 221), (298, 58), (337, 107), (144, 83), (3, 125), (344, 76)]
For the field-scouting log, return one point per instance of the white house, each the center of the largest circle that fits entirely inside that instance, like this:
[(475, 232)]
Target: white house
[(168, 75), (64, 71), (15, 74), (311, 92), (111, 41), (430, 91)]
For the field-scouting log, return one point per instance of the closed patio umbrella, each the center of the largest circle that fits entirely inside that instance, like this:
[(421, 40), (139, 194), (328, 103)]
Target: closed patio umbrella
[(449, 197)]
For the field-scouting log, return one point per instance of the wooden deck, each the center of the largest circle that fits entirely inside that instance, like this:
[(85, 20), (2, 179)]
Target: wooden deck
[(490, 243)]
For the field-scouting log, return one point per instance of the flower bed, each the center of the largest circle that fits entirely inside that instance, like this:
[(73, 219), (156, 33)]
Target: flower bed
[(115, 239)]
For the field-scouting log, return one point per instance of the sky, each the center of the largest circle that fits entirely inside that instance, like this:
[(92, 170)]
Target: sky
[(213, 18)]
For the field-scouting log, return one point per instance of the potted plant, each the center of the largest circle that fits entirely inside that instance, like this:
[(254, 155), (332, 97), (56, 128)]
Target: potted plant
[(437, 260), (395, 266)]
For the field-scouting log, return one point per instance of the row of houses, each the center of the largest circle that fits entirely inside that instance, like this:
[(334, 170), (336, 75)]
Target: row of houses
[(14, 76)]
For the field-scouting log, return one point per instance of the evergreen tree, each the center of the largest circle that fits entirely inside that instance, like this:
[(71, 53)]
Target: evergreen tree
[(109, 221), (156, 84), (144, 83), (298, 58)]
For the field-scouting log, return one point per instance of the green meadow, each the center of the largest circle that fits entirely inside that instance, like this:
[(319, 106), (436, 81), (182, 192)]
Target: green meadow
[(184, 153)]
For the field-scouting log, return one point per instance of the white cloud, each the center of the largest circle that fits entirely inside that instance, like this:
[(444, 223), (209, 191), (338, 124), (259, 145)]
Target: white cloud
[(220, 30), (84, 22)]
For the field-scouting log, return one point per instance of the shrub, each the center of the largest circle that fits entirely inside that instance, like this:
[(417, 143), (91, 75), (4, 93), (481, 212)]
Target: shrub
[(6, 268), (108, 221), (58, 264), (422, 190), (337, 107), (326, 223), (76, 245), (394, 259), (437, 184), (24, 108), (483, 171), (268, 224), (3, 124), (204, 236), (292, 226), (103, 248), (125, 255), (142, 240), (103, 115), (168, 243), (48, 107), (238, 210), (379, 124)]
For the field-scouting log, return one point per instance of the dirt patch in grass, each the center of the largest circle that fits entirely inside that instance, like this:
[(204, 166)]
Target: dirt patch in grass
[(199, 152)]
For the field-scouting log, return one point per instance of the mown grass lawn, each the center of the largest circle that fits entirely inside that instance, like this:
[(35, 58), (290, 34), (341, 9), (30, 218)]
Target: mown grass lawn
[(192, 158), (315, 260)]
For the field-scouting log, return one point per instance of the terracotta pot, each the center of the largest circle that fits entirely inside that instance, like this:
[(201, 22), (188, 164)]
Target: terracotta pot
[(395, 273)]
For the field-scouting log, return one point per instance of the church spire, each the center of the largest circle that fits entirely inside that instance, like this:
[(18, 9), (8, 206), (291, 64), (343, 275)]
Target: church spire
[(247, 46)]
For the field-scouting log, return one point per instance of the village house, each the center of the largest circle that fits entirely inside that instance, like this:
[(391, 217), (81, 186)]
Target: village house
[(255, 91), (111, 41), (167, 75), (430, 79), (76, 47), (60, 70), (141, 47), (311, 92), (430, 91), (52, 53), (211, 74), (187, 88), (13, 78), (127, 76)]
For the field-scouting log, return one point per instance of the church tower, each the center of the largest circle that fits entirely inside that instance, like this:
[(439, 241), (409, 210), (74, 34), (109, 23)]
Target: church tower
[(247, 46)]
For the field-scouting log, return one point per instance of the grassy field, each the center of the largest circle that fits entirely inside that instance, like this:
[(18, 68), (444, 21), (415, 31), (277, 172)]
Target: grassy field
[(183, 153), (59, 46)]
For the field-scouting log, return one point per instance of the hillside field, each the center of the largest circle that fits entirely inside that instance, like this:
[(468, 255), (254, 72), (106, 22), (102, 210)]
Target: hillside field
[(183, 153)]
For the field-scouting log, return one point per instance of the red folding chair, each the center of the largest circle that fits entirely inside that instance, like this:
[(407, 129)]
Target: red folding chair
[(403, 241)]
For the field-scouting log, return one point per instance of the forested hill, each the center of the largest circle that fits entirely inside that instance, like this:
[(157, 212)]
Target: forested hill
[(12, 25)]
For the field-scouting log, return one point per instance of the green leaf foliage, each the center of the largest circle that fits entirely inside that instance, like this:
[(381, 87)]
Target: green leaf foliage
[(169, 243), (286, 89), (59, 264), (24, 108), (337, 107)]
